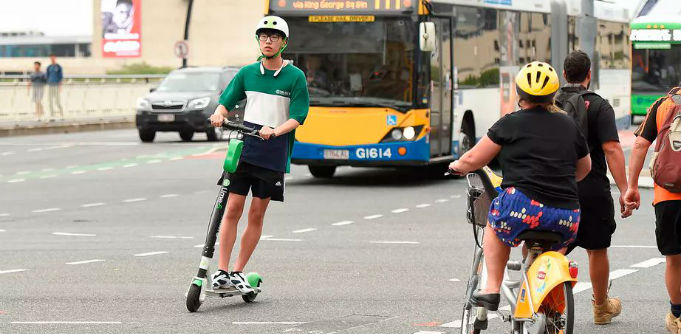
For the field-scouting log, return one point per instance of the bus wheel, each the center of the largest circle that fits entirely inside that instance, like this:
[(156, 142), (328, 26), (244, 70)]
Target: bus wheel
[(324, 172), (465, 142)]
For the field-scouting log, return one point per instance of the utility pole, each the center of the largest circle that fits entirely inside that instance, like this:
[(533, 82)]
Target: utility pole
[(186, 28)]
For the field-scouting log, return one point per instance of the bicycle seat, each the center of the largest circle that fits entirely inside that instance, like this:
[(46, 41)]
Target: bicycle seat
[(545, 238)]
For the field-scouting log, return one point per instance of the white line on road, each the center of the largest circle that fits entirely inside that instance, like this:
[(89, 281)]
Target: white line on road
[(373, 217), (84, 262), (150, 253), (263, 237), (129, 165), (176, 158), (4, 214), (424, 205), (1, 230), (267, 323), (12, 271), (454, 280), (441, 200), (170, 237), (429, 332), (48, 176), (23, 172), (279, 239), (400, 210), (131, 200), (288, 178), (169, 195), (46, 210), (16, 180), (632, 246), (154, 161), (395, 242), (621, 273), (649, 263), (455, 196), (68, 234), (305, 230), (7, 153), (37, 149), (90, 205), (65, 322), (78, 172), (346, 222), (104, 168)]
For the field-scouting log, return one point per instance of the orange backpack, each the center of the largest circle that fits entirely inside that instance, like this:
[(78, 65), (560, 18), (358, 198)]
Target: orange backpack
[(665, 166)]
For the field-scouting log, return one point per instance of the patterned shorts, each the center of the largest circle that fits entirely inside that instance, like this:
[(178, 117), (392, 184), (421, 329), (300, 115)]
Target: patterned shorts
[(513, 213)]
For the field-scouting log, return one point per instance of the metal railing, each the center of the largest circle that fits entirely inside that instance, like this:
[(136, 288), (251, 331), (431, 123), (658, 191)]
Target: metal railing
[(82, 96)]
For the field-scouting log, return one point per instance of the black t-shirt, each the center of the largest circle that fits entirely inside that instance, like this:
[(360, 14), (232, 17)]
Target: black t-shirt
[(539, 153), (648, 129), (602, 128)]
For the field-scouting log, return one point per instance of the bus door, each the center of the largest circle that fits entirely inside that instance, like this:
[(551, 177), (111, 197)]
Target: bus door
[(441, 90)]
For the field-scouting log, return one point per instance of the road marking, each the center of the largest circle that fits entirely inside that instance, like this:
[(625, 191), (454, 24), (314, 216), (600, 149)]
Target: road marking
[(455, 196), (621, 273), (268, 323), (154, 161), (649, 263), (169, 195), (632, 246), (104, 168), (441, 200), (90, 205), (430, 332), (280, 239), (424, 205), (48, 176), (78, 172), (46, 210), (176, 158), (263, 237), (7, 153), (84, 262), (150, 253), (305, 230), (454, 324), (37, 149), (400, 210), (16, 180), (23, 172), (1, 230), (4, 214), (454, 280), (47, 169), (170, 237), (12, 271), (65, 322), (68, 234), (288, 178), (132, 200), (373, 217), (71, 166), (395, 242), (308, 174), (346, 222), (129, 165)]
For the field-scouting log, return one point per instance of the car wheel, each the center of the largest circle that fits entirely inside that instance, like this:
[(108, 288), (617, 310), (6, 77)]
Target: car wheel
[(214, 134), (186, 135), (147, 135)]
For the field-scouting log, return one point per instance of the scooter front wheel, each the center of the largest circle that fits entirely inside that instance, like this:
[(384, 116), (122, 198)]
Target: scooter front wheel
[(193, 298)]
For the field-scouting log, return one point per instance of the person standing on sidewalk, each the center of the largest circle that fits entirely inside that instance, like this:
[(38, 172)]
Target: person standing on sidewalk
[(55, 75), (37, 82), (595, 200), (667, 204)]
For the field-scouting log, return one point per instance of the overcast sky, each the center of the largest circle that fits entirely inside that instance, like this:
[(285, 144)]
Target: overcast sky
[(53, 17)]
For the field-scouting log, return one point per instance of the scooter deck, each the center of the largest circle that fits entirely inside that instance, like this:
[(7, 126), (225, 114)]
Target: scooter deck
[(230, 292)]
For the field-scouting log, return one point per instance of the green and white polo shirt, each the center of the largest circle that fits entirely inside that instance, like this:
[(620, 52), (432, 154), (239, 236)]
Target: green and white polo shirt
[(271, 101)]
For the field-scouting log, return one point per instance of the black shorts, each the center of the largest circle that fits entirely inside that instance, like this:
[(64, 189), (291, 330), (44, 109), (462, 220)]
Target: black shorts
[(263, 182), (668, 227), (596, 223)]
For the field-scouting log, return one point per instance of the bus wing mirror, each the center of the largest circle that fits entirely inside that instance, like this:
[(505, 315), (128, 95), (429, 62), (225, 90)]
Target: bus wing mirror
[(427, 36)]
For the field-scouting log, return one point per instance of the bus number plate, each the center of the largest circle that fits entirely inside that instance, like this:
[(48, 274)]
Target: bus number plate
[(336, 154)]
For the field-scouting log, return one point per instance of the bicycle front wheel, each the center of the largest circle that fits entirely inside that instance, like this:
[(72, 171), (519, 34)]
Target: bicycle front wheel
[(469, 322), (559, 308)]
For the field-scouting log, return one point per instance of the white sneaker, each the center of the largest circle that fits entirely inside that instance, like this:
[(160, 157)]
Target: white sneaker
[(239, 281), (221, 280)]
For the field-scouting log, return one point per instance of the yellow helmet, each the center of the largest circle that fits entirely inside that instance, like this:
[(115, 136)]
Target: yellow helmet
[(537, 82)]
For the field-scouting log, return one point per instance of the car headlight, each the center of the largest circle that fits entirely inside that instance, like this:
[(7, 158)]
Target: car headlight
[(396, 134), (409, 132), (143, 104), (198, 103)]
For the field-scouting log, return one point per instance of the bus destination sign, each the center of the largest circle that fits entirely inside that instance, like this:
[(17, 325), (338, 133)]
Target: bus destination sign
[(656, 35), (354, 6)]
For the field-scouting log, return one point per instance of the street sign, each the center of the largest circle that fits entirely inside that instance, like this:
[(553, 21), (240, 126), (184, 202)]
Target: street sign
[(181, 49)]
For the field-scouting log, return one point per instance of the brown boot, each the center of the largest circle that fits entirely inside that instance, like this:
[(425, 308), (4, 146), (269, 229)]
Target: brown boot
[(673, 323), (604, 313)]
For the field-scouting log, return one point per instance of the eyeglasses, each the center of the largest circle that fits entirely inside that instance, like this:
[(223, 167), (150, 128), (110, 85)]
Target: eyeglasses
[(274, 38)]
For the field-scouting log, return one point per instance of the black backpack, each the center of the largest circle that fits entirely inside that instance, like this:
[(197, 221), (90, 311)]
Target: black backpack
[(574, 105)]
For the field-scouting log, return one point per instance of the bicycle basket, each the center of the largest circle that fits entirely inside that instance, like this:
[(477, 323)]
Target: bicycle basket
[(478, 201)]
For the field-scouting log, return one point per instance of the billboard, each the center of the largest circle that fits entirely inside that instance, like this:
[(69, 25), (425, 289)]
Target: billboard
[(121, 28)]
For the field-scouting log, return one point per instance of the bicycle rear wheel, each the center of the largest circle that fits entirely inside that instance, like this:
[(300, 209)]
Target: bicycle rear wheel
[(559, 308), (469, 322)]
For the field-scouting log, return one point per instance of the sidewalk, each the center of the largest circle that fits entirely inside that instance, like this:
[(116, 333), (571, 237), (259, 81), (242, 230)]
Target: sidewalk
[(627, 139), (23, 128)]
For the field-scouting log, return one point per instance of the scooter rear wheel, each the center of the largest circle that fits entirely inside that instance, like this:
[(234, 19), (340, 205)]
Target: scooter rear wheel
[(193, 298)]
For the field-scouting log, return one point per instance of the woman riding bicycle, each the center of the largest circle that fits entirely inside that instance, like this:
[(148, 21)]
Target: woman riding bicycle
[(542, 155)]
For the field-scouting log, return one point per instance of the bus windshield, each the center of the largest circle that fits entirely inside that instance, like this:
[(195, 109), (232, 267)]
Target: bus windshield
[(656, 71), (356, 63)]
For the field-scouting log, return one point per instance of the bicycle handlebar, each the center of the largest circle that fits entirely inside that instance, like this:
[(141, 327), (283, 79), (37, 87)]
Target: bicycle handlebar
[(239, 127)]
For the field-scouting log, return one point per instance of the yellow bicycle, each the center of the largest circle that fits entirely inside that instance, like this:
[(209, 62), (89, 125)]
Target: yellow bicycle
[(540, 300)]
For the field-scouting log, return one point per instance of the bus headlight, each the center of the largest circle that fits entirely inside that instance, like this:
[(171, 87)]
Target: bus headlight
[(396, 134), (409, 133)]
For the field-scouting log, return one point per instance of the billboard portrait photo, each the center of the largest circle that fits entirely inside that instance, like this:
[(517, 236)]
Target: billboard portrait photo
[(121, 28)]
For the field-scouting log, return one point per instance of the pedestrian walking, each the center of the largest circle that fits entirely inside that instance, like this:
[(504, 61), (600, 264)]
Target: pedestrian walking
[(37, 83), (597, 223), (667, 198), (55, 76)]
